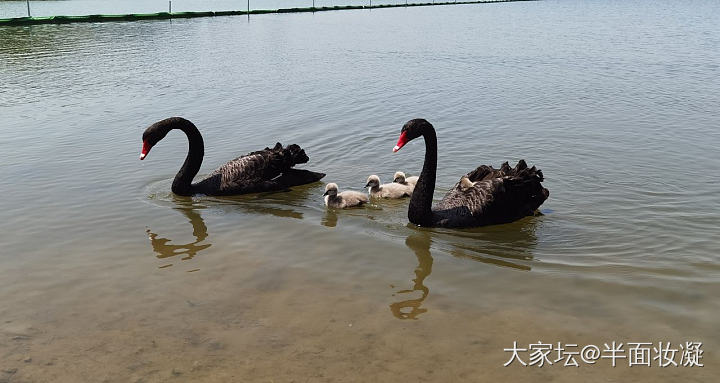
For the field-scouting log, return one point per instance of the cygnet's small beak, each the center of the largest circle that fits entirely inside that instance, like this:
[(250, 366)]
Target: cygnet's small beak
[(326, 193), (367, 184), (396, 179)]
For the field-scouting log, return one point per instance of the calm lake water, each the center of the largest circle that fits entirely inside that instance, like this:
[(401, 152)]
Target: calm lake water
[(106, 276), (92, 7)]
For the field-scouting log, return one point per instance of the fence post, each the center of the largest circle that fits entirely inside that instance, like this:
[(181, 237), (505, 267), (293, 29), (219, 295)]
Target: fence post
[(28, 5), (169, 6)]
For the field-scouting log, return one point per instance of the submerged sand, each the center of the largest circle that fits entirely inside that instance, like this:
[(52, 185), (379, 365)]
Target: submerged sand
[(243, 318)]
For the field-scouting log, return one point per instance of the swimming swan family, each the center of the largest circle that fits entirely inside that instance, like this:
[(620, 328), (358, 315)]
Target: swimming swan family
[(484, 196)]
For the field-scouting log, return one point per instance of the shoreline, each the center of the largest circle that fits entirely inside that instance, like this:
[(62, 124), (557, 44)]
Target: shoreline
[(21, 21)]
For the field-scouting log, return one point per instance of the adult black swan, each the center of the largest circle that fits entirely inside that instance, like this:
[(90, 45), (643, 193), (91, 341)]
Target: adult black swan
[(493, 195), (261, 171)]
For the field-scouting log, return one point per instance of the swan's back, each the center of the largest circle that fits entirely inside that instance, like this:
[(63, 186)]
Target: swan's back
[(264, 170), (497, 196)]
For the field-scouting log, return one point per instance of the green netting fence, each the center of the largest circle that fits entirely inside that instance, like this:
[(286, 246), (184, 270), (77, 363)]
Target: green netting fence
[(172, 10)]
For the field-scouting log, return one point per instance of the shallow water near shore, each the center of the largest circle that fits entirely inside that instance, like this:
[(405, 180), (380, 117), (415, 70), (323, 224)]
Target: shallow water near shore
[(107, 276)]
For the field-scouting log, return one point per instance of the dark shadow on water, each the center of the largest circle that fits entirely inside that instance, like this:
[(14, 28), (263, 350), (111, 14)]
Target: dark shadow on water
[(278, 203), (508, 245), (27, 40)]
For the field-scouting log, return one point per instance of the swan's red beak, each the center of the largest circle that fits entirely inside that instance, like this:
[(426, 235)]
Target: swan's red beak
[(401, 141), (145, 150)]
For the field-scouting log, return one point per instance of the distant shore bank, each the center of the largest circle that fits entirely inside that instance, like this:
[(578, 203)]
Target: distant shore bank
[(181, 15)]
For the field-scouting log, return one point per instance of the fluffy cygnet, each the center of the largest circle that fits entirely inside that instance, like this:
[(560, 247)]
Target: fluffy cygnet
[(465, 183), (400, 178), (344, 199), (392, 190)]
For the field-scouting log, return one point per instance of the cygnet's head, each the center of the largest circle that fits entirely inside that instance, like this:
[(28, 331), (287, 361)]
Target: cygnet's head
[(399, 177), (331, 189), (373, 181)]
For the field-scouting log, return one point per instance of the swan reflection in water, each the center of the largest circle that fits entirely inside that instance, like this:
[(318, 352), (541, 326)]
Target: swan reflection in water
[(329, 218), (369, 211), (255, 204), (507, 245), (420, 244), (331, 215), (164, 249)]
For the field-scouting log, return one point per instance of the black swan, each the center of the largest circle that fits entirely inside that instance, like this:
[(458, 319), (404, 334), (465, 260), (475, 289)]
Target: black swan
[(261, 171), (490, 196)]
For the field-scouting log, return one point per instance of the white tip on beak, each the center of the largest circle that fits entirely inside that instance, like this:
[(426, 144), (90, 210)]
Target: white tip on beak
[(142, 156), (396, 148)]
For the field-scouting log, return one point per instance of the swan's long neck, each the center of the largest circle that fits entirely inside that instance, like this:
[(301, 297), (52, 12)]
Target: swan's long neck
[(420, 209), (182, 185)]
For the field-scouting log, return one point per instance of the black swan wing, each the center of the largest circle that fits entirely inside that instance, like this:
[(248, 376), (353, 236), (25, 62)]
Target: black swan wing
[(255, 172), (497, 196)]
